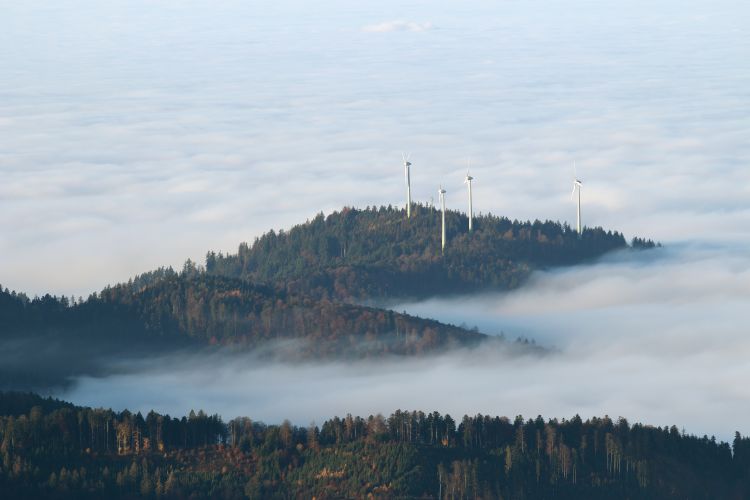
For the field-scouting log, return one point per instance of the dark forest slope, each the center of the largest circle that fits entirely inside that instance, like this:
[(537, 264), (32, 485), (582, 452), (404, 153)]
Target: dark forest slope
[(230, 311), (61, 451), (45, 340), (377, 253), (213, 309)]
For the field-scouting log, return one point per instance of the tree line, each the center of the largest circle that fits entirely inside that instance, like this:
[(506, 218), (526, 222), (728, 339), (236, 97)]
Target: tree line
[(53, 449)]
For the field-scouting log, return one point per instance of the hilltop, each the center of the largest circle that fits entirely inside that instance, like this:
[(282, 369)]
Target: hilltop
[(377, 253)]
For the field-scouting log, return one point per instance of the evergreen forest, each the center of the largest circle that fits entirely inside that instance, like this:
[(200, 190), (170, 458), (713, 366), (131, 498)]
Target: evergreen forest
[(322, 285), (320, 291), (53, 449)]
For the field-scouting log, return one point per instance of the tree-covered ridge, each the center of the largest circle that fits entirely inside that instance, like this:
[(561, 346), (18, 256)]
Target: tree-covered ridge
[(375, 253), (300, 285), (231, 311), (61, 451), (207, 309)]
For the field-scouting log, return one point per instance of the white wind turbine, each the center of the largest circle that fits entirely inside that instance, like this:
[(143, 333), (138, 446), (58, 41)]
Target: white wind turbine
[(577, 184), (407, 175), (468, 180), (441, 196)]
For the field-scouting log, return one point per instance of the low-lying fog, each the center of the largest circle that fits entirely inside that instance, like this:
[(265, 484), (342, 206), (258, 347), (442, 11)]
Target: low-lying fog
[(658, 337)]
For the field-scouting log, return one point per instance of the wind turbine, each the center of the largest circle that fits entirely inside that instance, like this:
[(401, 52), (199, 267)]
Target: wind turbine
[(577, 184), (407, 175), (441, 195), (468, 180)]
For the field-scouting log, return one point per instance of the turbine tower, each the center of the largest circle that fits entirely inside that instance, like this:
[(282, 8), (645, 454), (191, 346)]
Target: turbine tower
[(577, 184), (407, 175), (468, 180), (441, 196)]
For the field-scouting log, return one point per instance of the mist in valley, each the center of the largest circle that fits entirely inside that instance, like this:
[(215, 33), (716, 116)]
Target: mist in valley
[(656, 336), (139, 134)]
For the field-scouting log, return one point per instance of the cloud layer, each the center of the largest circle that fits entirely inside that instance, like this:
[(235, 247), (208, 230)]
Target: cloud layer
[(138, 134), (658, 337), (397, 25)]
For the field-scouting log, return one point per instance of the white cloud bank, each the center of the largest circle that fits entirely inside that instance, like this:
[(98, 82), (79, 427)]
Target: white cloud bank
[(658, 337), (137, 134), (397, 25)]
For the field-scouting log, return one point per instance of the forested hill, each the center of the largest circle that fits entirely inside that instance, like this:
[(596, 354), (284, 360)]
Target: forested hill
[(52, 338), (51, 449), (231, 311), (304, 285), (377, 253)]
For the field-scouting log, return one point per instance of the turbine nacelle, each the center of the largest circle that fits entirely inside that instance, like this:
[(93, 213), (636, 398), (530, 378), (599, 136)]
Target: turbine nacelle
[(469, 178), (406, 156), (577, 184)]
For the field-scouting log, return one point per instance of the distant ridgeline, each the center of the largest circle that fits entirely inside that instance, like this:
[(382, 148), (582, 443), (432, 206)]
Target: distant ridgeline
[(377, 253), (51, 449)]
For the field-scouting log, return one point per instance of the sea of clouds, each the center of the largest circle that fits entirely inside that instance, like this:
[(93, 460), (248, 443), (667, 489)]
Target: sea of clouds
[(135, 134)]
